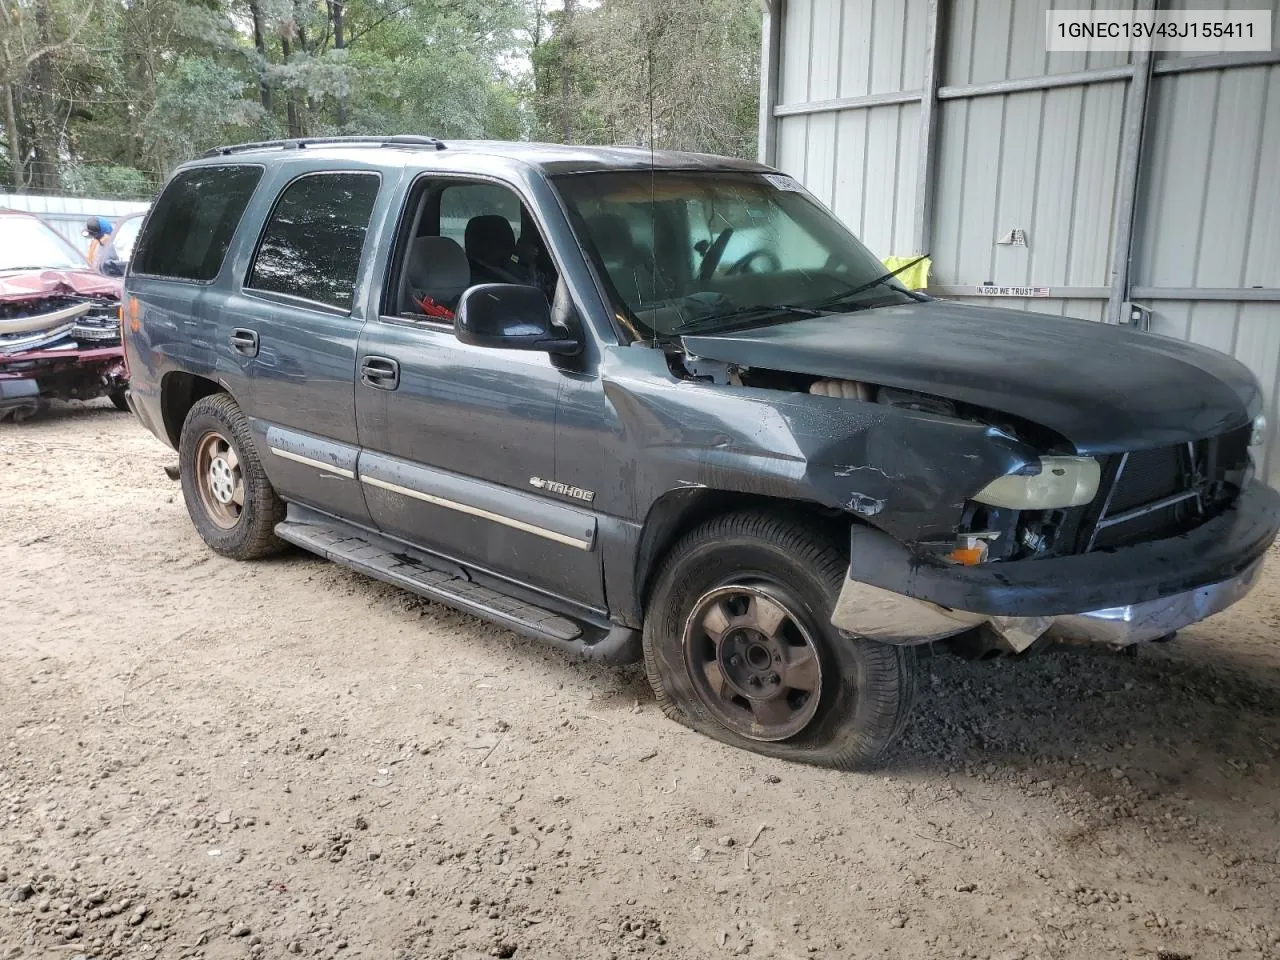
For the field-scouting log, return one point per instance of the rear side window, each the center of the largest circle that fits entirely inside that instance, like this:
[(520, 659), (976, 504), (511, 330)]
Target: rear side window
[(191, 226), (311, 245)]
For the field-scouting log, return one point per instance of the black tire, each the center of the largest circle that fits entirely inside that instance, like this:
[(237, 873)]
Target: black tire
[(118, 400), (865, 689), (243, 531)]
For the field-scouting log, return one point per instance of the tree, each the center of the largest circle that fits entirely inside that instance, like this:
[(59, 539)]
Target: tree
[(669, 73), (28, 46), (108, 95)]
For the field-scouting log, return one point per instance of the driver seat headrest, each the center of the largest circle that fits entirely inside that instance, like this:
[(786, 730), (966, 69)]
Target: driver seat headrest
[(489, 238)]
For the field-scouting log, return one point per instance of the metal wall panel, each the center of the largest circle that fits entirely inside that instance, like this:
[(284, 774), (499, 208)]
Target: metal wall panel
[(1081, 309), (1005, 39), (873, 159), (1209, 207), (1040, 161), (851, 48), (1224, 5)]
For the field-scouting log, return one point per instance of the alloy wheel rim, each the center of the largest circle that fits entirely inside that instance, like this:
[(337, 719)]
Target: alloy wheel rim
[(753, 662), (220, 479)]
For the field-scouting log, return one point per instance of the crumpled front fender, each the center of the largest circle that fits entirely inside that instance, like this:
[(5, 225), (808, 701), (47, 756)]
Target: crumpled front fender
[(903, 471)]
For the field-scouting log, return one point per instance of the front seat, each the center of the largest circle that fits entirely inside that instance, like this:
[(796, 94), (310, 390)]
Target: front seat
[(437, 268), (491, 247)]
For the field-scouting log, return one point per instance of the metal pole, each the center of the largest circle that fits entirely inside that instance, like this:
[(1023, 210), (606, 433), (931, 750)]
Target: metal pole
[(922, 223), (770, 62), (1131, 134)]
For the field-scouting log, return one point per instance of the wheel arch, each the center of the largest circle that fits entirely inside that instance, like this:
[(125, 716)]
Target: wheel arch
[(179, 392), (677, 512)]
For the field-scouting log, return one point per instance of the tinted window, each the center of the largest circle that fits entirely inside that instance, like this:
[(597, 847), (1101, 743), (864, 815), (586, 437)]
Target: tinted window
[(311, 245), (193, 221)]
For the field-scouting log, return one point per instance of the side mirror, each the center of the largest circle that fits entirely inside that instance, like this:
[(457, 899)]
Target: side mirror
[(509, 316)]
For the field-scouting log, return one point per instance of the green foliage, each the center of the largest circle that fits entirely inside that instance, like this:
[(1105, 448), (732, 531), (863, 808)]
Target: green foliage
[(108, 181), (109, 96), (679, 75), (199, 103), (445, 98)]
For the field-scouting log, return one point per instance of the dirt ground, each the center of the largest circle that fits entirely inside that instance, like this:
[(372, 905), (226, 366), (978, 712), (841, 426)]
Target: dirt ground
[(200, 758)]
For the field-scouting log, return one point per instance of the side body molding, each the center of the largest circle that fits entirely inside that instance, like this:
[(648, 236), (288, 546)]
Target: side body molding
[(532, 514)]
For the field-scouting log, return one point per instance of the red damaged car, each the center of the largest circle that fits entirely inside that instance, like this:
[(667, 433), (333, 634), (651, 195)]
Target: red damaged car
[(59, 322)]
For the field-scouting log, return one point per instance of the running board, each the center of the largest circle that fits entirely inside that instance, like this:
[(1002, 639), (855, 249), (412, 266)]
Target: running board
[(363, 552), (347, 547)]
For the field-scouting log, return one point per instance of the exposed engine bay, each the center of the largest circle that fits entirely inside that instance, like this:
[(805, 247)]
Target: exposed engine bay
[(1191, 483)]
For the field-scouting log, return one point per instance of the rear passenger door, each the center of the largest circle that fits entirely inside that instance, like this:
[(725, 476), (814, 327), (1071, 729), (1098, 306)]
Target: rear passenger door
[(294, 326)]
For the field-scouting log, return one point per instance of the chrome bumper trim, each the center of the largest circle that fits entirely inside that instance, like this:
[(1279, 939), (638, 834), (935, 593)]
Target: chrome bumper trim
[(864, 610), (1157, 618)]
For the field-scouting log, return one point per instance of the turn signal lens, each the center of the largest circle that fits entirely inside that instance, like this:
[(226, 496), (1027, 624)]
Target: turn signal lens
[(1061, 482), (968, 556), (1259, 432)]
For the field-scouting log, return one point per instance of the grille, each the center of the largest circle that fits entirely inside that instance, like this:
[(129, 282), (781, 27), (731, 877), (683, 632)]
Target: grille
[(1148, 475), (1162, 492)]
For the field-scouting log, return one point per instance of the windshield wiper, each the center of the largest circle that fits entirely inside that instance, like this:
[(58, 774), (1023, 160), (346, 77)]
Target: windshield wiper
[(744, 316), (844, 295)]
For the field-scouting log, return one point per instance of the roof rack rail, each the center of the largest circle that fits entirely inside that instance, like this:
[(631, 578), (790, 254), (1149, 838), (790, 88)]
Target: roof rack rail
[(399, 140)]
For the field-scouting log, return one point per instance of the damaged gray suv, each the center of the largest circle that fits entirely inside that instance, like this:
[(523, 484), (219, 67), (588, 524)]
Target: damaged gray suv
[(667, 408)]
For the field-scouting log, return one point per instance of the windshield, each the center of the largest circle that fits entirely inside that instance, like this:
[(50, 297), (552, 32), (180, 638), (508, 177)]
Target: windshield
[(30, 244), (719, 250)]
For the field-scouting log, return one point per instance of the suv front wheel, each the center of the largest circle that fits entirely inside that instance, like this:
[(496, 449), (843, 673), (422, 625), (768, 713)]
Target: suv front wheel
[(230, 500), (738, 645)]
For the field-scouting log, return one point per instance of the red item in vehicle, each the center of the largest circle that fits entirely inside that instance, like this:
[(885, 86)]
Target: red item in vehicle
[(432, 309)]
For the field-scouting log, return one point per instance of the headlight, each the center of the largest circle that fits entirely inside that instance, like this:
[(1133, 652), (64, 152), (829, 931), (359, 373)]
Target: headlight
[(1259, 432), (1061, 482)]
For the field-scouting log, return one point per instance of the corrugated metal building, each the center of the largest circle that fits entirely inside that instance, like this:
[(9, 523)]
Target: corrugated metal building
[(942, 126)]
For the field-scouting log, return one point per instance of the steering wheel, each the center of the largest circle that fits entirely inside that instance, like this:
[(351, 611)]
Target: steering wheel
[(743, 265)]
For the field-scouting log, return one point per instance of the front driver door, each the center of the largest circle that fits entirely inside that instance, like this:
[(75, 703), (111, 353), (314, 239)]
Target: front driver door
[(458, 441)]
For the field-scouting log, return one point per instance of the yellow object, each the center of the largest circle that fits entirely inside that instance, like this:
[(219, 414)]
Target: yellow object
[(913, 278)]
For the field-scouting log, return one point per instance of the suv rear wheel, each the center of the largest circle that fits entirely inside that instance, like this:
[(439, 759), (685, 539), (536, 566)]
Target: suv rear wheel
[(738, 645), (230, 500)]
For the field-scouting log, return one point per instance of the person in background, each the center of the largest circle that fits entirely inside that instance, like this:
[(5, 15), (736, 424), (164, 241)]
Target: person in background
[(97, 229)]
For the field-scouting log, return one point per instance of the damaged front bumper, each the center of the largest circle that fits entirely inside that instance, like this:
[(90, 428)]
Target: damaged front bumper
[(1120, 596)]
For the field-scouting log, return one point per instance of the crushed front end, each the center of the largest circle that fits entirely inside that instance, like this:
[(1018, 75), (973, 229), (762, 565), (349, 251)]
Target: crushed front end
[(1171, 535), (58, 343)]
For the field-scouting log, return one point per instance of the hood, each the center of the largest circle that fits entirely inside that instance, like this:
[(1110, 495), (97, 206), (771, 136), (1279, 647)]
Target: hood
[(25, 284), (1103, 388)]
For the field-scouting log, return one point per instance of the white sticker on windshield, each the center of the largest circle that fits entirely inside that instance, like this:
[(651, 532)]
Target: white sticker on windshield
[(783, 182)]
